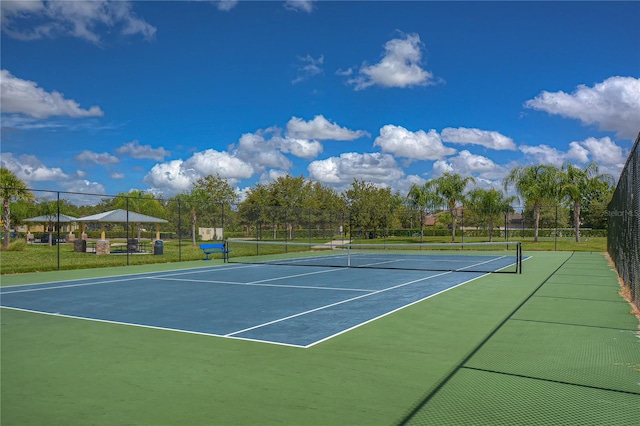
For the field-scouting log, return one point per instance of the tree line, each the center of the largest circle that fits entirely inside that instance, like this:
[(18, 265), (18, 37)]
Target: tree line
[(583, 193)]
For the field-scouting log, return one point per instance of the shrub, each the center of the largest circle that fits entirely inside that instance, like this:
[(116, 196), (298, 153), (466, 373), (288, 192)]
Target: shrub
[(18, 245)]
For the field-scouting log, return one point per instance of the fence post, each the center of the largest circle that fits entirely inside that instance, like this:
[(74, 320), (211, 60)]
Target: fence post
[(462, 224), (128, 230), (58, 226), (555, 233), (179, 232)]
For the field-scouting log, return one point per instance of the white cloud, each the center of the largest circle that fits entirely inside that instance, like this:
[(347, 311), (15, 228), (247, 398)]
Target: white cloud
[(311, 68), (81, 19), (578, 152), (29, 169), (104, 159), (178, 175), (399, 67), (301, 148), (544, 154), (372, 167), (272, 175), (604, 151), (344, 73), (470, 164), (614, 105), (226, 5), (117, 175), (610, 157), (210, 162), (299, 5), (25, 97), (412, 145), (320, 128), (86, 187), (171, 177), (261, 153), (489, 139), (135, 150)]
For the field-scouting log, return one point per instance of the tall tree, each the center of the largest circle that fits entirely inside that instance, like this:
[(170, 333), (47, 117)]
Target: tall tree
[(217, 189), (370, 207), (216, 196), (536, 184), (290, 201), (489, 205), (451, 188), (139, 202), (578, 185), (425, 198), (252, 210), (11, 188)]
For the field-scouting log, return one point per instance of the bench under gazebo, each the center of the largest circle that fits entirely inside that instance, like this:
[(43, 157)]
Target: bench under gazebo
[(51, 220), (119, 216)]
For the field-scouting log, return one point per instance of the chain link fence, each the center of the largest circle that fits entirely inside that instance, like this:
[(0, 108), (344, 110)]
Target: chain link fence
[(66, 230), (623, 240)]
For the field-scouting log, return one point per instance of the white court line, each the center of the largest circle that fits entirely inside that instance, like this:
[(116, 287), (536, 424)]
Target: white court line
[(71, 285), (260, 284), (125, 277), (391, 312), (121, 278), (481, 263), (154, 327), (336, 303)]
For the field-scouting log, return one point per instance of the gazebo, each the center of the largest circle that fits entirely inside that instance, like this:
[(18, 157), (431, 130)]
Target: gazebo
[(51, 218), (121, 216)]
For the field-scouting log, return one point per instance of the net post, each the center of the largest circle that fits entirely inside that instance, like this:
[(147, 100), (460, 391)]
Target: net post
[(520, 256)]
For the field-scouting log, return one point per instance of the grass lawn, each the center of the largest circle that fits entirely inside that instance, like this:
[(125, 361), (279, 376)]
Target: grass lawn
[(40, 257)]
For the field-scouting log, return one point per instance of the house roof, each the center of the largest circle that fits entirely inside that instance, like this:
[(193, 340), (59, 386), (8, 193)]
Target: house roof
[(52, 218), (120, 215)]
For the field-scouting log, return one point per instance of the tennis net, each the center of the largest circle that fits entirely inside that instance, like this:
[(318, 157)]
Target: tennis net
[(468, 257)]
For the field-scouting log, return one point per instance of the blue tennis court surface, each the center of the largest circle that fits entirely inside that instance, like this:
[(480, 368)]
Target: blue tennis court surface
[(289, 305)]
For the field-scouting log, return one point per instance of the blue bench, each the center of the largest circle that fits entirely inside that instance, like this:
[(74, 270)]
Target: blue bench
[(212, 248)]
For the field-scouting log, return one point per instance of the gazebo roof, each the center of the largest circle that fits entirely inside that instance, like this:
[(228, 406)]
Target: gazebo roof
[(120, 215), (52, 218)]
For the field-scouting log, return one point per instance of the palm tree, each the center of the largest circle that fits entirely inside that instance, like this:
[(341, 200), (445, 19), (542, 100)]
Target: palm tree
[(577, 184), (489, 204), (451, 188), (424, 198), (11, 188), (536, 184)]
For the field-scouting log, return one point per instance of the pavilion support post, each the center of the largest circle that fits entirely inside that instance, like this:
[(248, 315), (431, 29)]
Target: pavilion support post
[(103, 234), (157, 231)]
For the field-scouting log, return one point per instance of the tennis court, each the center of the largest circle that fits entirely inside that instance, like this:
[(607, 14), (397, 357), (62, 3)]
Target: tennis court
[(347, 345), (289, 305)]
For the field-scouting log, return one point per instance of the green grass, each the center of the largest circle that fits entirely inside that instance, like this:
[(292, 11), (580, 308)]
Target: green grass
[(39, 257), (591, 244)]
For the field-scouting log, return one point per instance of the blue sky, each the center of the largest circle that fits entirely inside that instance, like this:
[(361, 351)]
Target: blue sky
[(105, 97)]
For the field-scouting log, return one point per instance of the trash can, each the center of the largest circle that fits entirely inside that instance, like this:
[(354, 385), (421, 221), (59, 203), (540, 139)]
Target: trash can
[(80, 246), (158, 247)]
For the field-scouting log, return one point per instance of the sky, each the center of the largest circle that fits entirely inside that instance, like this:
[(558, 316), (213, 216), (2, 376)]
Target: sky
[(105, 97)]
